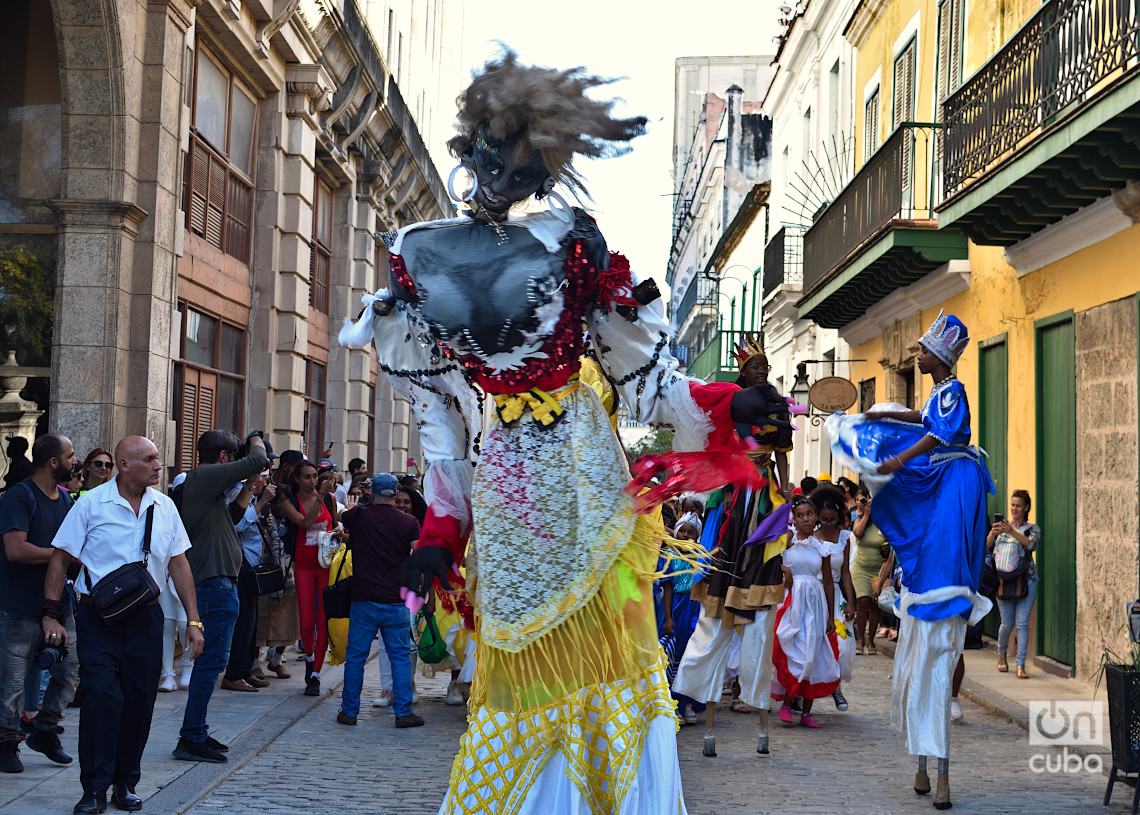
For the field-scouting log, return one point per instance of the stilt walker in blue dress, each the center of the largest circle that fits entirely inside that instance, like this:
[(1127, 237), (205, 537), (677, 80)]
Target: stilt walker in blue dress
[(930, 490)]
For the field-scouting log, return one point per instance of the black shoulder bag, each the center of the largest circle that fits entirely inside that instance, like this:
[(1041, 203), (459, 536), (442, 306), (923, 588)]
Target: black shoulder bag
[(120, 595)]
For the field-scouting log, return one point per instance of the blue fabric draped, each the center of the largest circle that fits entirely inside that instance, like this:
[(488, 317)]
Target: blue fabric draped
[(933, 510)]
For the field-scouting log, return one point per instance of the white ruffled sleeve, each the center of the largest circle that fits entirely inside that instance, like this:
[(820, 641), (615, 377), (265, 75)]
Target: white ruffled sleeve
[(635, 355), (446, 408)]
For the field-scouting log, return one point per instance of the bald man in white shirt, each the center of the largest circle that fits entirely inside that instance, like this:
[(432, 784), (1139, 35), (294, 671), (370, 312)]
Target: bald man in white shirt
[(119, 661)]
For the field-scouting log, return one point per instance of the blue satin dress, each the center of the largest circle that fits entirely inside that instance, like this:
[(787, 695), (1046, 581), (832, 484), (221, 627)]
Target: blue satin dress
[(933, 510)]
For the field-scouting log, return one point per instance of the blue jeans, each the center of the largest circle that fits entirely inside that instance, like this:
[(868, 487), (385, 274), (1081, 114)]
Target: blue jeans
[(1017, 611), (392, 621), (218, 611), (20, 643)]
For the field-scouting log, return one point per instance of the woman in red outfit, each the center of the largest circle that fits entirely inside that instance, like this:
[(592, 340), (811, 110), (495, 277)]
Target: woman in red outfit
[(311, 511)]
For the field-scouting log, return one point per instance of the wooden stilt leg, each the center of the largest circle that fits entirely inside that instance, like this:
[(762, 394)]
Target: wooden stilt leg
[(762, 740), (921, 779), (942, 794), (710, 723)]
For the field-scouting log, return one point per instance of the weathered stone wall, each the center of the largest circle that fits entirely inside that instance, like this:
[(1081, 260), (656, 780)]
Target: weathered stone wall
[(1106, 379)]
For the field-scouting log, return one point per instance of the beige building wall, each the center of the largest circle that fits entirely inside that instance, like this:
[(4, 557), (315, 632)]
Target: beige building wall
[(328, 106)]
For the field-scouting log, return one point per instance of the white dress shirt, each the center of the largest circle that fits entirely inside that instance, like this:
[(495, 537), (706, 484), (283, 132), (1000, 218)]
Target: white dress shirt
[(103, 533)]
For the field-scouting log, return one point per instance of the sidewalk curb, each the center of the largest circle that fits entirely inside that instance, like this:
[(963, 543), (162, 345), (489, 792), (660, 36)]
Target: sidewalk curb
[(190, 788)]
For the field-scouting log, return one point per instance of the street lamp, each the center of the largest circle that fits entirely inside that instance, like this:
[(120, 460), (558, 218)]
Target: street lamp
[(801, 387)]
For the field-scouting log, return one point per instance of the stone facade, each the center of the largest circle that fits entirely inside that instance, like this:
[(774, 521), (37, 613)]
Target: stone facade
[(166, 222), (1107, 524)]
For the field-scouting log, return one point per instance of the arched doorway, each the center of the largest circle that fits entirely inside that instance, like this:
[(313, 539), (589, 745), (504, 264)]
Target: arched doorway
[(30, 171)]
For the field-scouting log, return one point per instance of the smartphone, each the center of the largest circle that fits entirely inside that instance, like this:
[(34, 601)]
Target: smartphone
[(998, 517)]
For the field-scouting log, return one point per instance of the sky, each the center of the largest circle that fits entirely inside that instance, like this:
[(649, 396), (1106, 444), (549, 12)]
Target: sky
[(639, 40)]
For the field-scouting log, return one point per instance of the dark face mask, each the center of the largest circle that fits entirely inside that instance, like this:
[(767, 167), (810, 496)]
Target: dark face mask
[(365, 499)]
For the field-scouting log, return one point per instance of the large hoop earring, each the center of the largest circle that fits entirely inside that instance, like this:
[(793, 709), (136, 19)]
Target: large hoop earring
[(459, 199), (563, 212)]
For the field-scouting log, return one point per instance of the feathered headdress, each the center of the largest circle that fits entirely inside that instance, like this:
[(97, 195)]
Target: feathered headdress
[(749, 347), (946, 338)]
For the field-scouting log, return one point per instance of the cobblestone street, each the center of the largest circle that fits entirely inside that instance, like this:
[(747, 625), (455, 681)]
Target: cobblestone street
[(853, 764)]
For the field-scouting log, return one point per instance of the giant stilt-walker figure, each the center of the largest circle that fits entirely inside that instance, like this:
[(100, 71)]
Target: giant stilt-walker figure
[(930, 491), (570, 711)]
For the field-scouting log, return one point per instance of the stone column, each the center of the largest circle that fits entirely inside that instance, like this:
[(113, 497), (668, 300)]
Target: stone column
[(290, 214), (117, 220)]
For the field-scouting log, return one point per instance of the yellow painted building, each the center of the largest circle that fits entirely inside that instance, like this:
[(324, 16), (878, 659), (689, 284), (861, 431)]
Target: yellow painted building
[(998, 178)]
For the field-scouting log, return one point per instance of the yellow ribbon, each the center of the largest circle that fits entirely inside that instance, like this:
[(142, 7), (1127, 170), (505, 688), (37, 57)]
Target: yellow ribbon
[(543, 406)]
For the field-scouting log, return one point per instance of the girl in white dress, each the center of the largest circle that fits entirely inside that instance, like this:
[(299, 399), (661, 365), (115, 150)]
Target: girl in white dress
[(838, 541), (803, 654)]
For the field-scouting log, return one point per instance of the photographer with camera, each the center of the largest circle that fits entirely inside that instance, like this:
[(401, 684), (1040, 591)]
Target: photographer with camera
[(31, 513), (215, 558)]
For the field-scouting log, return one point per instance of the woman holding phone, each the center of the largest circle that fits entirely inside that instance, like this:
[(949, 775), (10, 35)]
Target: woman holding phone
[(1019, 539)]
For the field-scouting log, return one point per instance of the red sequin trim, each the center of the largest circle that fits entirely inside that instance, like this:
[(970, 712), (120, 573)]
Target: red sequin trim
[(400, 274)]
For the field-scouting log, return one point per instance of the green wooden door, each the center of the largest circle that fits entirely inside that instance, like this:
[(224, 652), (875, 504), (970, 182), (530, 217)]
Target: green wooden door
[(993, 419), (1055, 501)]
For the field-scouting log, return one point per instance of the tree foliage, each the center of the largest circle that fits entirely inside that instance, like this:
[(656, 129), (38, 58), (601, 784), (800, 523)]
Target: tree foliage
[(26, 302), (658, 441)]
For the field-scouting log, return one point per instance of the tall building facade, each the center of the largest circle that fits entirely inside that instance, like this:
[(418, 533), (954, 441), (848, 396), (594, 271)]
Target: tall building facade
[(721, 181), (194, 190), (812, 133), (998, 178)]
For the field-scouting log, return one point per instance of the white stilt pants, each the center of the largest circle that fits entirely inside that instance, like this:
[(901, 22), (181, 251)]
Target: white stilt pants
[(700, 676)]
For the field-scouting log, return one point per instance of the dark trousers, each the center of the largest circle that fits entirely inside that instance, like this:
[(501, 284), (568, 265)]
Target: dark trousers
[(119, 669), (245, 629)]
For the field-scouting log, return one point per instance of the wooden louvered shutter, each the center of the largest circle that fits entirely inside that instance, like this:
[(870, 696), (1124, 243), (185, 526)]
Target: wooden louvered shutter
[(945, 37), (903, 102), (186, 423), (216, 204), (871, 126), (199, 183), (956, 34), (205, 406)]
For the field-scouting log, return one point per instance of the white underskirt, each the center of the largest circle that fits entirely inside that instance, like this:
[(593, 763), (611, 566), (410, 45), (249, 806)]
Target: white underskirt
[(700, 675), (925, 659), (656, 787)]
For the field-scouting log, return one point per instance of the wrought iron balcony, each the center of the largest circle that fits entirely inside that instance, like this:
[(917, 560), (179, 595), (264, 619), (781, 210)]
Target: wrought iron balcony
[(715, 362), (879, 234), (1062, 56), (784, 259), (701, 291), (1049, 125), (893, 185)]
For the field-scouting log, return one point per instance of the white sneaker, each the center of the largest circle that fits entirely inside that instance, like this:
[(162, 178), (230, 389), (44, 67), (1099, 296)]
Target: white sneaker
[(454, 695), (385, 699), (187, 670), (168, 685), (955, 710)]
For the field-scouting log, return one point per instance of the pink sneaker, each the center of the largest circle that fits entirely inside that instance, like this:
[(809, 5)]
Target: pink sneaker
[(785, 714), (807, 721)]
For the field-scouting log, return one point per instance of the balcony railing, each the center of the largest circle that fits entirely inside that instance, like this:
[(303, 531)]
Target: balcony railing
[(715, 362), (894, 184), (701, 291), (1066, 53), (784, 259)]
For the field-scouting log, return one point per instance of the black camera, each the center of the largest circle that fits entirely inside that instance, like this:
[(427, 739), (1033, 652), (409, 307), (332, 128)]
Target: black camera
[(51, 655)]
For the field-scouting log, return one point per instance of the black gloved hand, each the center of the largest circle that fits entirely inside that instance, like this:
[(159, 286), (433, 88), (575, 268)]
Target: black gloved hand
[(424, 565), (752, 406)]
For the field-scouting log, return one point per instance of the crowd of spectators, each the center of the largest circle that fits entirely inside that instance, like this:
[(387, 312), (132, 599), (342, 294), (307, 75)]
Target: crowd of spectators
[(226, 568)]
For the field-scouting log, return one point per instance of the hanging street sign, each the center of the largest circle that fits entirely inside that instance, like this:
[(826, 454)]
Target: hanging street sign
[(832, 394)]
